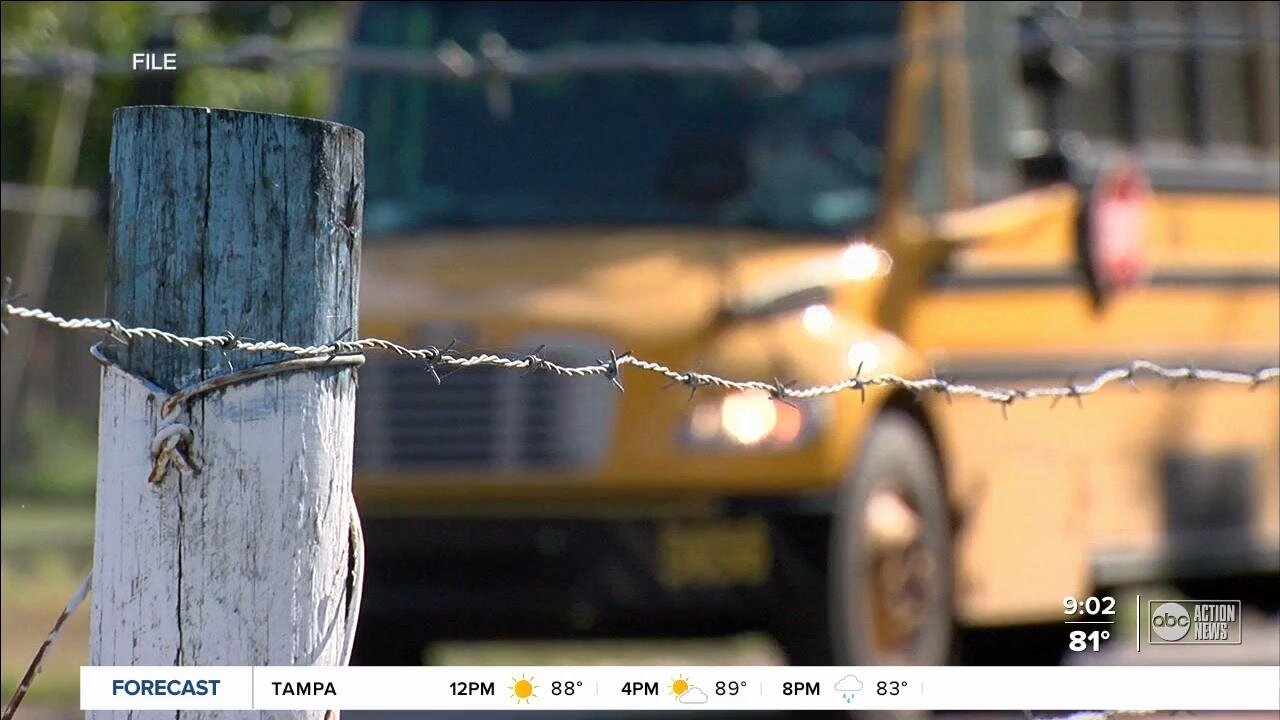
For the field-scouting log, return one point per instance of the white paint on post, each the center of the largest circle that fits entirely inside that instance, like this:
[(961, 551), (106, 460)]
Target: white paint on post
[(134, 575), (193, 563)]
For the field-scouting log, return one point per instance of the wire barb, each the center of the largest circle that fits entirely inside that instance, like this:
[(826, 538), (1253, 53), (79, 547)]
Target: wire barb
[(7, 297), (435, 356), (1260, 377), (612, 368), (782, 392), (1132, 375), (229, 340), (939, 385), (858, 383), (339, 347), (119, 333), (695, 380), (535, 360), (1069, 390), (692, 380)]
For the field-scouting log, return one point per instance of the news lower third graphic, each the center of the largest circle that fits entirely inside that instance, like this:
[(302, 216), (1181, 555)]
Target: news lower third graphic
[(1194, 622), (724, 688)]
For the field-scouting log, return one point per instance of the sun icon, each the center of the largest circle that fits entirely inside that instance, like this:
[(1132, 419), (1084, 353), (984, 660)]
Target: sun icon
[(522, 689), (679, 686)]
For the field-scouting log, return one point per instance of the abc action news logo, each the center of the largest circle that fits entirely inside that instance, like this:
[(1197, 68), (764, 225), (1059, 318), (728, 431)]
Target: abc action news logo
[(1193, 622)]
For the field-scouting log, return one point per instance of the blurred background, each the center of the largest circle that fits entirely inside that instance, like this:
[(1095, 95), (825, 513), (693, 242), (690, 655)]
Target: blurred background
[(66, 70)]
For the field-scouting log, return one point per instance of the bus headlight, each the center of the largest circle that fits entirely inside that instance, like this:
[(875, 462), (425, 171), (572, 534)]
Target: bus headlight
[(752, 419)]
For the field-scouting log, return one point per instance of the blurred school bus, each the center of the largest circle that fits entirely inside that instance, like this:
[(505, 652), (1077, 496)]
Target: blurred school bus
[(1005, 194)]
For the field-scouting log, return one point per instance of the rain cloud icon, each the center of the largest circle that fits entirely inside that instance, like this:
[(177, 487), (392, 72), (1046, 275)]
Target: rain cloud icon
[(693, 696), (849, 684)]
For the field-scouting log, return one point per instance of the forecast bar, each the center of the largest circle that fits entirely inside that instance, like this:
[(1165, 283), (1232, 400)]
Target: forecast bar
[(679, 688)]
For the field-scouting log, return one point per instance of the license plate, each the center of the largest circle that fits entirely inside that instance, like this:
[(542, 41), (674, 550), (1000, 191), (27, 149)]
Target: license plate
[(714, 553)]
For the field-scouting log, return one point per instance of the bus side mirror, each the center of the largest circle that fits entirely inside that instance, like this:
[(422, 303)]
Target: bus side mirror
[(1112, 229)]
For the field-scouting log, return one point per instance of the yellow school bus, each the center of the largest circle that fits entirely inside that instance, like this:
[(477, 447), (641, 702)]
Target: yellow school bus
[(1002, 194)]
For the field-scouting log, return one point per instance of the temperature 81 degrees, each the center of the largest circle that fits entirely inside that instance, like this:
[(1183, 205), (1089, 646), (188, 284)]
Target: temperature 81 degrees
[(1080, 640)]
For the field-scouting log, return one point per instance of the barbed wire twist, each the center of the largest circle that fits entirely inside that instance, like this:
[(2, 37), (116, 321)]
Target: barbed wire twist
[(436, 358)]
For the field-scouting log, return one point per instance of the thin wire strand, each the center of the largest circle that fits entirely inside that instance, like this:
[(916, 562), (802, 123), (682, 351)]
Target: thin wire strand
[(758, 59), (37, 662), (436, 359)]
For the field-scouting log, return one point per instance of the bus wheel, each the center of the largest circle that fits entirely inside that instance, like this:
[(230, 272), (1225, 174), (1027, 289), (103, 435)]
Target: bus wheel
[(890, 574)]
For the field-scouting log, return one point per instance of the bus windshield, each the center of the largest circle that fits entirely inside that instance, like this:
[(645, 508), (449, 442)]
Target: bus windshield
[(621, 149)]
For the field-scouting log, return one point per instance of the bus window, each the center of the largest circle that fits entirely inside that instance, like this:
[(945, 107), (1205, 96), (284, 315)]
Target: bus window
[(632, 148), (1094, 107), (1156, 79), (1225, 73), (999, 106), (1190, 86), (1264, 75)]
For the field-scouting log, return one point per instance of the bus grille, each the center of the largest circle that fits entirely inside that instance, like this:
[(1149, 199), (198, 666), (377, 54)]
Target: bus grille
[(482, 418)]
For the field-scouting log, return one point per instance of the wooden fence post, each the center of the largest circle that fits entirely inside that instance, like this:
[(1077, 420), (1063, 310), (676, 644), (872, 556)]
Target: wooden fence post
[(248, 223)]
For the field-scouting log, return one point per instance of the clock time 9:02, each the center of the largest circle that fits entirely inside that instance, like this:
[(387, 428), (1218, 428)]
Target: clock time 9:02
[(1089, 606)]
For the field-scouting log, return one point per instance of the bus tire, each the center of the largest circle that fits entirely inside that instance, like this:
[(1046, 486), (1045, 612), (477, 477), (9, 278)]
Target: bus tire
[(890, 576)]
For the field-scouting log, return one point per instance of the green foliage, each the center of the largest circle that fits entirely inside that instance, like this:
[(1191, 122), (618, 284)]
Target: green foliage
[(60, 458), (27, 105), (55, 455), (118, 29), (301, 91)]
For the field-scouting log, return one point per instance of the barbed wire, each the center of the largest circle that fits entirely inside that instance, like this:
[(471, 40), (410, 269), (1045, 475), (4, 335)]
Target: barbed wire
[(495, 60), (437, 358)]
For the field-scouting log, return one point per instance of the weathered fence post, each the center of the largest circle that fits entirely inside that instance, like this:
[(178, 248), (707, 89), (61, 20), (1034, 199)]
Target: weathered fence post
[(245, 223)]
